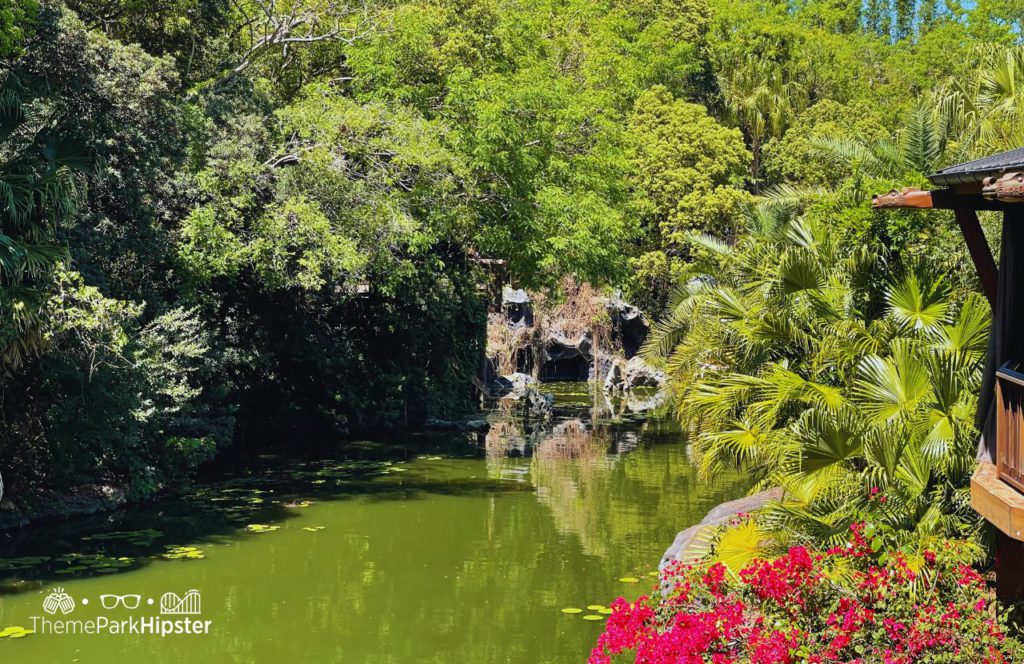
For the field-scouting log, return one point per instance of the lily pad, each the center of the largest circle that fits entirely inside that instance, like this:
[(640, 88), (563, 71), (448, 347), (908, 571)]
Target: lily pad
[(184, 553), (629, 579), (572, 610), (24, 562), (313, 529), (92, 562), (140, 537), (261, 528), (595, 607), (606, 611), (15, 632), (593, 616)]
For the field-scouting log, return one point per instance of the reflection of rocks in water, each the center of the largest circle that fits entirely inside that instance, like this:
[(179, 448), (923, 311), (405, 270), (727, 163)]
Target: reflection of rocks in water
[(571, 470), (615, 406), (626, 441), (574, 459), (639, 402), (504, 444), (505, 438), (572, 440)]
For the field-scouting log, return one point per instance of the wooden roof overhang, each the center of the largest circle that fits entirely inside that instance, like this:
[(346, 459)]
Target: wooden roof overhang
[(993, 183), (967, 191)]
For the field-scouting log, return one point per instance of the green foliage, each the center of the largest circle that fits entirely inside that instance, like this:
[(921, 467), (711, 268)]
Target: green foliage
[(785, 367), (17, 21), (795, 157), (652, 277), (687, 169), (538, 96), (223, 221)]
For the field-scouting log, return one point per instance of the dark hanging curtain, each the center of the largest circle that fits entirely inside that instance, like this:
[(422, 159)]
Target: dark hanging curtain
[(1007, 339)]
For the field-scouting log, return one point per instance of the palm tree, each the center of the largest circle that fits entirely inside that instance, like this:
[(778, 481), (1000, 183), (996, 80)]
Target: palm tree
[(762, 99), (918, 147), (984, 111)]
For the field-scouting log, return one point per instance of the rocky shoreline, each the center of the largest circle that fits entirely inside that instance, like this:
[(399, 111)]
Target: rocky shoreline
[(48, 506)]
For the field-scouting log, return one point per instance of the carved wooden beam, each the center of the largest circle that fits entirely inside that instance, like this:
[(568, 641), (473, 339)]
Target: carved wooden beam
[(908, 197), (936, 199), (1008, 188)]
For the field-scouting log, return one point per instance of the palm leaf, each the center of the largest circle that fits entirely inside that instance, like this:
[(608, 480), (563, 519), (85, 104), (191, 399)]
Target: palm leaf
[(892, 387), (917, 305)]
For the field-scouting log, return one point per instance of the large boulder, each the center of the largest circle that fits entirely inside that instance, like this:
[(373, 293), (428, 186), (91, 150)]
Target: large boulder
[(629, 326), (509, 386), (515, 304), (615, 377), (520, 383), (690, 545), (640, 374), (566, 359)]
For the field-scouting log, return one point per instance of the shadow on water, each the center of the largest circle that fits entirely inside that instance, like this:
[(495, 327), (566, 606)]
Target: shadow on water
[(435, 549), (260, 491), (129, 538)]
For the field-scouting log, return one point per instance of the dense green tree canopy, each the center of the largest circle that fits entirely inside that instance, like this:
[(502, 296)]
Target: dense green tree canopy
[(222, 216)]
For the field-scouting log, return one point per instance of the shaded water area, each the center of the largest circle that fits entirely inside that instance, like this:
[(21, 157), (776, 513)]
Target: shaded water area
[(454, 549)]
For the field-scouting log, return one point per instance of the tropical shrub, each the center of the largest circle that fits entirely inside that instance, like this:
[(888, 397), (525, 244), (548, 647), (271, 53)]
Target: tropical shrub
[(794, 363), (852, 603), (138, 406)]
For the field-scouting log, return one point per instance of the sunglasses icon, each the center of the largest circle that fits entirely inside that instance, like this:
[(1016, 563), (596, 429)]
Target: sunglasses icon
[(127, 601)]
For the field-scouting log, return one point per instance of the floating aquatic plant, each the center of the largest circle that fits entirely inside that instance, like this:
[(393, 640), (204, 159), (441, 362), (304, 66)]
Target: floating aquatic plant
[(93, 562), (183, 553), (261, 528), (299, 503), (595, 607), (139, 537), (572, 610), (629, 579), (314, 529), (15, 632), (593, 616), (24, 562)]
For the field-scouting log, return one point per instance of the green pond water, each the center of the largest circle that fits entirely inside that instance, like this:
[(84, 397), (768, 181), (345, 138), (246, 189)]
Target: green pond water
[(455, 549)]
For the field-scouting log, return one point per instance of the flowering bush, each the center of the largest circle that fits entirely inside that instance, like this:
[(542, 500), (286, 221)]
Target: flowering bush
[(851, 604)]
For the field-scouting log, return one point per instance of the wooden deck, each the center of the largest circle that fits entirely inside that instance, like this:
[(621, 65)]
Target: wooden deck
[(997, 501)]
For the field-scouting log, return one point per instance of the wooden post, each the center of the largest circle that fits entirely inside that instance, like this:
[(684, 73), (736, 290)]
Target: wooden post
[(1009, 568), (967, 218)]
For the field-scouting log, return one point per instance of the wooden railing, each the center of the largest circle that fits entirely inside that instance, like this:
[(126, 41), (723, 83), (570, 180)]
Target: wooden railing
[(1010, 424)]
